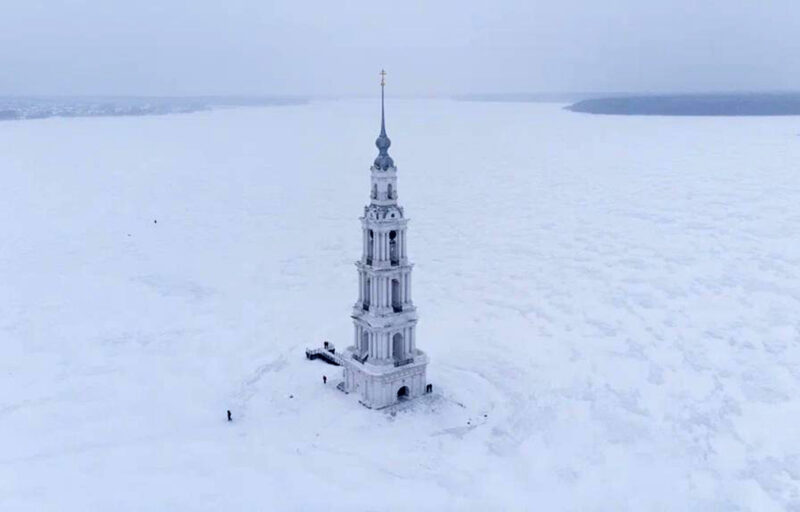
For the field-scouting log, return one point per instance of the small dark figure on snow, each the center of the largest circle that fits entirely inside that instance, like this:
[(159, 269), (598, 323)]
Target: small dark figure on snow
[(324, 379), (229, 416)]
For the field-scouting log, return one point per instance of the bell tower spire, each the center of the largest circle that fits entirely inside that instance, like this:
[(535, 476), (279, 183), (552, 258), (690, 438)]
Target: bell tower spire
[(383, 86), (383, 161)]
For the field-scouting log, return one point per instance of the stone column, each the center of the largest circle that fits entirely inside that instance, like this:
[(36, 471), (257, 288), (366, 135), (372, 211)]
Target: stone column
[(398, 240)]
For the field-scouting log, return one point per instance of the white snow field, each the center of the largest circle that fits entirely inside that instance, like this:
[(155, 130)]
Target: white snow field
[(611, 306)]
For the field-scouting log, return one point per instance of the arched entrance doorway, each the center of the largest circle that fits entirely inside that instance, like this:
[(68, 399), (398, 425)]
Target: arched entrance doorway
[(402, 393)]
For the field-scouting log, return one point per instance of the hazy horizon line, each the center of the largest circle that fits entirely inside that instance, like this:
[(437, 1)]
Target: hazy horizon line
[(456, 95)]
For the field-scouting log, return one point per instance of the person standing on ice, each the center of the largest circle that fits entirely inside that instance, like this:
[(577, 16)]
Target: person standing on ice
[(229, 416), (324, 379)]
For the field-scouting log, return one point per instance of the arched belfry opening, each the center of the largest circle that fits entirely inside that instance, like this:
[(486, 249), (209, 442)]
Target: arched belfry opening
[(370, 246), (364, 343), (389, 192), (367, 293), (398, 351), (394, 255)]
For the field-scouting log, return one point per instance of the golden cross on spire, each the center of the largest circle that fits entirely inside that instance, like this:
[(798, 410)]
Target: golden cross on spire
[(383, 77)]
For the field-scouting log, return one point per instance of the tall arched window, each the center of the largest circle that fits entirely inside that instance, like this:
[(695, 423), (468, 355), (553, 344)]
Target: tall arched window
[(364, 343), (389, 192), (374, 191), (397, 346), (397, 301)]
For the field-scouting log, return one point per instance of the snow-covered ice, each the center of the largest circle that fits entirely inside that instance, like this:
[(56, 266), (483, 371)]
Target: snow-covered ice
[(611, 306)]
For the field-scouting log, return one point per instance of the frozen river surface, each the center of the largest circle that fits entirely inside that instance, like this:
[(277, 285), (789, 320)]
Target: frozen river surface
[(611, 306)]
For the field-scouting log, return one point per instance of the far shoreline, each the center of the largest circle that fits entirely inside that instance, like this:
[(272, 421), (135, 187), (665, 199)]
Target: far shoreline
[(708, 105)]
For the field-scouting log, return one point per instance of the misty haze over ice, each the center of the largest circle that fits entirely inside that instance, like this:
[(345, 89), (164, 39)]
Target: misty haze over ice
[(609, 303), (257, 47)]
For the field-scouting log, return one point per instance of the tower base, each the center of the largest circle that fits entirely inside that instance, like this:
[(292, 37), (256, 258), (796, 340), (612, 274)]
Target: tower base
[(382, 384)]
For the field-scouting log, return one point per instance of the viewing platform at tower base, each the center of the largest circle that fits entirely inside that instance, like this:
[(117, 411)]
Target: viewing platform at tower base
[(327, 353)]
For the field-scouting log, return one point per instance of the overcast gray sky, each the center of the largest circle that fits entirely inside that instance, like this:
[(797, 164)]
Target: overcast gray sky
[(195, 47)]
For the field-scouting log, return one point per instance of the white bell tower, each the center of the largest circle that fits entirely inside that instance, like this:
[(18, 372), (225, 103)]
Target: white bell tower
[(384, 364)]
